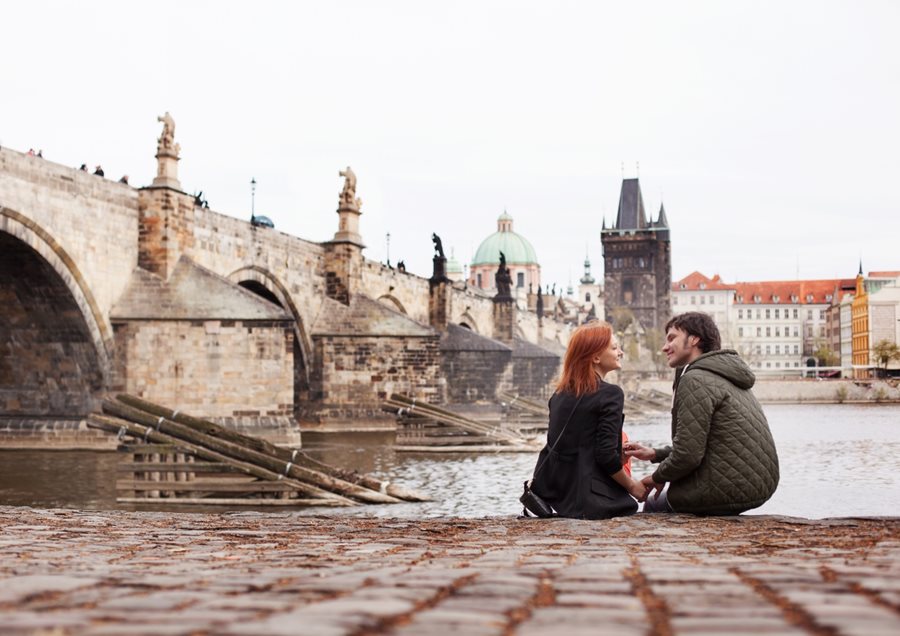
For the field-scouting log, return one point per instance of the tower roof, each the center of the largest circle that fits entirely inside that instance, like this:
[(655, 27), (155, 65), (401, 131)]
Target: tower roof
[(631, 215), (662, 221)]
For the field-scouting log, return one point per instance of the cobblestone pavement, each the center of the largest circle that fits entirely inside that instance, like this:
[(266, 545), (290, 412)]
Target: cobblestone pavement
[(77, 572)]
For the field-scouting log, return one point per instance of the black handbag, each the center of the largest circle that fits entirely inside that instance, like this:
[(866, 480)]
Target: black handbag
[(534, 503)]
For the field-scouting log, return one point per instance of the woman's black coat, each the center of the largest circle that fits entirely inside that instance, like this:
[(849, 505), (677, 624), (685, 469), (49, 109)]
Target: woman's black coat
[(574, 477)]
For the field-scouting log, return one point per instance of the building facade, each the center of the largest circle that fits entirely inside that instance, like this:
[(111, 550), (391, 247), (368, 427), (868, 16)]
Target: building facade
[(780, 327), (696, 292), (859, 312)]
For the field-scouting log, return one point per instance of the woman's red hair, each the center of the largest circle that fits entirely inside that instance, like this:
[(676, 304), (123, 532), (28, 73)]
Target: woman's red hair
[(589, 340)]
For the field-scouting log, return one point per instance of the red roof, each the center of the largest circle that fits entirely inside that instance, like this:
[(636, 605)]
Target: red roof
[(697, 281), (791, 292), (884, 274)]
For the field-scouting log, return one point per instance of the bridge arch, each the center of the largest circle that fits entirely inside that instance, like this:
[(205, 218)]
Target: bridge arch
[(467, 321), (393, 302), (59, 349), (264, 283)]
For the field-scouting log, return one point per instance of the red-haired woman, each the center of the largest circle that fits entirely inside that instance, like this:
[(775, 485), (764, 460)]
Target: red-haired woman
[(580, 470)]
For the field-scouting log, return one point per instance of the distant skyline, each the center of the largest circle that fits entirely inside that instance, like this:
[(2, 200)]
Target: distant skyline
[(768, 129)]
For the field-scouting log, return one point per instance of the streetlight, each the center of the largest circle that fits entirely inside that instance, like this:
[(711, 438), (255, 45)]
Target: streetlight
[(252, 200)]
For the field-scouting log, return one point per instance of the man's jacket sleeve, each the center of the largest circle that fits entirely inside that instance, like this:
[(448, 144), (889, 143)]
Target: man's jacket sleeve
[(694, 407)]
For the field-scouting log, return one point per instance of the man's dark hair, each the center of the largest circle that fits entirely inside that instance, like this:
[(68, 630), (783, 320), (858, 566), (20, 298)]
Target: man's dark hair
[(701, 325)]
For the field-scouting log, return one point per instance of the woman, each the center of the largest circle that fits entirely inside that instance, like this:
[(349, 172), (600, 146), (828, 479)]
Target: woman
[(580, 471)]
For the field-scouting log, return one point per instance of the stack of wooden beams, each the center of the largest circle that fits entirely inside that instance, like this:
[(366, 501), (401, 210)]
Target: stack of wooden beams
[(181, 459)]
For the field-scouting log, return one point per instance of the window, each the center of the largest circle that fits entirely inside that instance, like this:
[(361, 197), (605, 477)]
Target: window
[(768, 350), (796, 349), (741, 332), (777, 350), (478, 280), (758, 350), (587, 298), (768, 332), (520, 279), (777, 311), (768, 314), (768, 365), (796, 315), (777, 332), (758, 332), (821, 314), (740, 314), (757, 314), (702, 300), (693, 300), (796, 332), (809, 314)]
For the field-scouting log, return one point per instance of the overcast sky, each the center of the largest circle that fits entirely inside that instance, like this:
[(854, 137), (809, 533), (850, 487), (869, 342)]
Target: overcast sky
[(771, 130)]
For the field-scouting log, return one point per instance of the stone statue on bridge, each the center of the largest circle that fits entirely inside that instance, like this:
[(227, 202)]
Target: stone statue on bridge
[(167, 145), (438, 246), (503, 279), (348, 194), (167, 155)]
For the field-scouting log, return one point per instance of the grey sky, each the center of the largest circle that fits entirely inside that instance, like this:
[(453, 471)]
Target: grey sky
[(769, 129)]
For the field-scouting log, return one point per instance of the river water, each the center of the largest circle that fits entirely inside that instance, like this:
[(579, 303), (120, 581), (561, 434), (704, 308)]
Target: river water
[(836, 461)]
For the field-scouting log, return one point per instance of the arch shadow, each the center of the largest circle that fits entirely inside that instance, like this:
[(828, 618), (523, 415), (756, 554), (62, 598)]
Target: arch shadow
[(265, 284), (44, 245), (393, 303)]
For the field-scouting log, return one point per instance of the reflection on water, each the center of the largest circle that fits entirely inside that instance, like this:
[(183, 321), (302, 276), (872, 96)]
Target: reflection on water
[(836, 460)]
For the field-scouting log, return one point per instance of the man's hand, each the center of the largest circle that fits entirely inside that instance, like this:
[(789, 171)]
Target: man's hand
[(638, 490), (649, 484), (639, 451)]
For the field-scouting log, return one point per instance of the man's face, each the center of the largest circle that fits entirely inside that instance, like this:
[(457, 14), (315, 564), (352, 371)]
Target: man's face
[(680, 348)]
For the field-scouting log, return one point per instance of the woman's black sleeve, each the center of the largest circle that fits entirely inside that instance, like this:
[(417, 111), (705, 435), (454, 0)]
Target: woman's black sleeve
[(608, 412)]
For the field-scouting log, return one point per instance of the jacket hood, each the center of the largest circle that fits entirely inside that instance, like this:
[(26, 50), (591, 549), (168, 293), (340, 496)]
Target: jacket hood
[(728, 364)]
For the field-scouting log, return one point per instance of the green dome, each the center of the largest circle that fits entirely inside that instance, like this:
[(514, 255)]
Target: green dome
[(514, 246)]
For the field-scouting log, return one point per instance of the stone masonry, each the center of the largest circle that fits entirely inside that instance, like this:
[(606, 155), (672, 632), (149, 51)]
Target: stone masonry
[(70, 572)]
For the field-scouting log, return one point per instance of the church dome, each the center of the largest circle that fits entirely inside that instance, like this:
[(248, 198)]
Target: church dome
[(514, 246)]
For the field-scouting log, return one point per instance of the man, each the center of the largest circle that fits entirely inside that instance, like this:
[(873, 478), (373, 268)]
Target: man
[(722, 460)]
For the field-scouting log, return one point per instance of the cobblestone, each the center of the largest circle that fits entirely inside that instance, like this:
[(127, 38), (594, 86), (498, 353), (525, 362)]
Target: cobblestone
[(68, 572)]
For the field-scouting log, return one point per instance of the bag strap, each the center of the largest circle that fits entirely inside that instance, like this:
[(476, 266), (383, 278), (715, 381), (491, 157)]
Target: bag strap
[(553, 448)]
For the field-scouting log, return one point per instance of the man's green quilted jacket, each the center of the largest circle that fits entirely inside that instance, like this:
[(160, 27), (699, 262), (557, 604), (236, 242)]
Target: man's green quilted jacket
[(722, 459)]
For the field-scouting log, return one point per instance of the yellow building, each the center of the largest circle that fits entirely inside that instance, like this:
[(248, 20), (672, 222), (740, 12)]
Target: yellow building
[(859, 316)]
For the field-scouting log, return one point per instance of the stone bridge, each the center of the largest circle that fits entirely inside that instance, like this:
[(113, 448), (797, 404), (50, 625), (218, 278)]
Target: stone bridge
[(108, 287)]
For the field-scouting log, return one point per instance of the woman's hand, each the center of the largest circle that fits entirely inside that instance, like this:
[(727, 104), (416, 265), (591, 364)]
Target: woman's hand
[(639, 451), (638, 490)]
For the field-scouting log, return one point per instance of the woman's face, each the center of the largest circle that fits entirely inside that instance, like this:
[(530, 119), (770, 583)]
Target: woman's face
[(610, 359)]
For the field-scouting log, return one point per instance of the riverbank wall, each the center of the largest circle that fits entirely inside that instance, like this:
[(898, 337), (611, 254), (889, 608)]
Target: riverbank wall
[(810, 391), (70, 572)]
